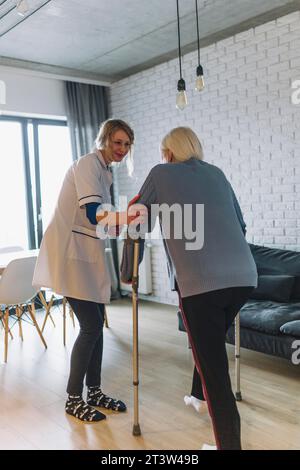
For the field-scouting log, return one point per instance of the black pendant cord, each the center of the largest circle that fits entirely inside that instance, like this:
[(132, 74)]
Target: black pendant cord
[(179, 46), (198, 38)]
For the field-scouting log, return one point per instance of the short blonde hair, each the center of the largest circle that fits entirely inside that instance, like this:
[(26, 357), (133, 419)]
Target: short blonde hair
[(105, 133), (108, 128), (183, 143)]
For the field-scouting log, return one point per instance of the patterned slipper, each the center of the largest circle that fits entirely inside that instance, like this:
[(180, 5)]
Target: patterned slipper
[(81, 410), (96, 397)]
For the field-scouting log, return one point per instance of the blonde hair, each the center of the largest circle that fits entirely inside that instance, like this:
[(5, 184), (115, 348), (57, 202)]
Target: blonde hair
[(183, 143), (105, 133)]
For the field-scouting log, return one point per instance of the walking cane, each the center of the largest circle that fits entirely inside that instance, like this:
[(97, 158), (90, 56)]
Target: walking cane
[(136, 431), (238, 395)]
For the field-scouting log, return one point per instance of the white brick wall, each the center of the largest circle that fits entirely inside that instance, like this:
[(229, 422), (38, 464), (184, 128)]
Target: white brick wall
[(245, 120)]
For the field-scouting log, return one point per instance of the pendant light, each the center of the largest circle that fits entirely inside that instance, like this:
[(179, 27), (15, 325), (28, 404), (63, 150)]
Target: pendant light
[(181, 98), (199, 85)]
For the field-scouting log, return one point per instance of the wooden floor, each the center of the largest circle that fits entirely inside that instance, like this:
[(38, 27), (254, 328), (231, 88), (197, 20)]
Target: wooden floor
[(33, 386)]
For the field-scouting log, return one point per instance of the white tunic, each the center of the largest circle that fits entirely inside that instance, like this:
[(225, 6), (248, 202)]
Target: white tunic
[(71, 260)]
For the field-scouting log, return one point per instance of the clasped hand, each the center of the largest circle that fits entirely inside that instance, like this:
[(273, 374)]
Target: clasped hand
[(136, 214)]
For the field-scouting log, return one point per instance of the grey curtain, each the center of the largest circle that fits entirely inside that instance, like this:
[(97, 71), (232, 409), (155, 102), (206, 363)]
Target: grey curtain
[(87, 108)]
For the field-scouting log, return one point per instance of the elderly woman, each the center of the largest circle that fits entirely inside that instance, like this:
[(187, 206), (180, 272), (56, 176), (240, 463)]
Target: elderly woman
[(213, 275)]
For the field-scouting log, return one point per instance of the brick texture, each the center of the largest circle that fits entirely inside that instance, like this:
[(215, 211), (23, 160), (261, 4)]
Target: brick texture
[(245, 119)]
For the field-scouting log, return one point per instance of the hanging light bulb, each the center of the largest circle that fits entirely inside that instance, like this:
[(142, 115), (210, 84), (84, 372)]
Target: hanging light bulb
[(22, 7), (181, 98), (199, 85), (199, 80)]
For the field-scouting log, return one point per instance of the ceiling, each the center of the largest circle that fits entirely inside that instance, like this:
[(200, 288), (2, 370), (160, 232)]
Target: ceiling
[(105, 40)]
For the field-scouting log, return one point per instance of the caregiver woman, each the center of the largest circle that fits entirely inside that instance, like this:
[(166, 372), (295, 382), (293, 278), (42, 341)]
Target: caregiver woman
[(72, 263)]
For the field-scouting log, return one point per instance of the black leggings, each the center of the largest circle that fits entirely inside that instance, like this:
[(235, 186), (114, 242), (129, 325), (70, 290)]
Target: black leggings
[(207, 317), (197, 389), (86, 357)]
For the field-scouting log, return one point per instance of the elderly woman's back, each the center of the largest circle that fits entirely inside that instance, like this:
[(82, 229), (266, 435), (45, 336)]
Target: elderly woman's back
[(212, 252)]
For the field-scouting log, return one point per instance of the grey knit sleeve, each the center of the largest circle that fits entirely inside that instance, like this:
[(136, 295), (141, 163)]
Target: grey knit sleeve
[(148, 197), (238, 211)]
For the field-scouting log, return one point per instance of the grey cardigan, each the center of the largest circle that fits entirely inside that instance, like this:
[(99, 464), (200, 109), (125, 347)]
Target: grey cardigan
[(225, 259)]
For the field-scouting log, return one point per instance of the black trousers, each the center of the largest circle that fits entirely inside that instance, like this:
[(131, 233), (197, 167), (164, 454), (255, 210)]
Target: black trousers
[(197, 388), (86, 357), (207, 317)]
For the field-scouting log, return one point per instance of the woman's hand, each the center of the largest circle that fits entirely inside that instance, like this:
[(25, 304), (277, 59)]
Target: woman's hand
[(137, 214)]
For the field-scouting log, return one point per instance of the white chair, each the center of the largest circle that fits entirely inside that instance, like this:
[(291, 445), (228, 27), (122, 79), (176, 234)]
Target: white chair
[(8, 249), (16, 291), (3, 250)]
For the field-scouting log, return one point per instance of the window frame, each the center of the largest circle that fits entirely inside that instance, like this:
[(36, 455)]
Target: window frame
[(34, 224)]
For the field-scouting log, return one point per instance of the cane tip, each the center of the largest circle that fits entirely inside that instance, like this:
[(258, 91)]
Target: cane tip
[(136, 431)]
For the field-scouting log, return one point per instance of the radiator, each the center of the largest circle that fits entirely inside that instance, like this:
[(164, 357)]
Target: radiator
[(145, 274)]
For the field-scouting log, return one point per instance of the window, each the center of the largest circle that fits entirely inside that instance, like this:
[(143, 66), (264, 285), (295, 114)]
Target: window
[(55, 159), (34, 157), (13, 208)]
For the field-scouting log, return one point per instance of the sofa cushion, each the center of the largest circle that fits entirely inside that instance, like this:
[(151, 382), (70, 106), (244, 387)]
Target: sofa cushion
[(277, 261), (274, 287), (268, 317), (291, 328), (296, 290)]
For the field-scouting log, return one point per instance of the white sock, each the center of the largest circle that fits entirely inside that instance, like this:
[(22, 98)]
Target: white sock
[(208, 447), (189, 400)]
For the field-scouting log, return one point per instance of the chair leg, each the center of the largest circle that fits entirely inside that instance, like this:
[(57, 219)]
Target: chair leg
[(31, 310), (64, 320), (9, 330), (48, 314), (105, 317), (50, 306), (47, 307), (6, 328), (19, 315), (71, 313)]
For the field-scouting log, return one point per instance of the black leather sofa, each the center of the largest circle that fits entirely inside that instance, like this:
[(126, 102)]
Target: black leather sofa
[(270, 320)]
